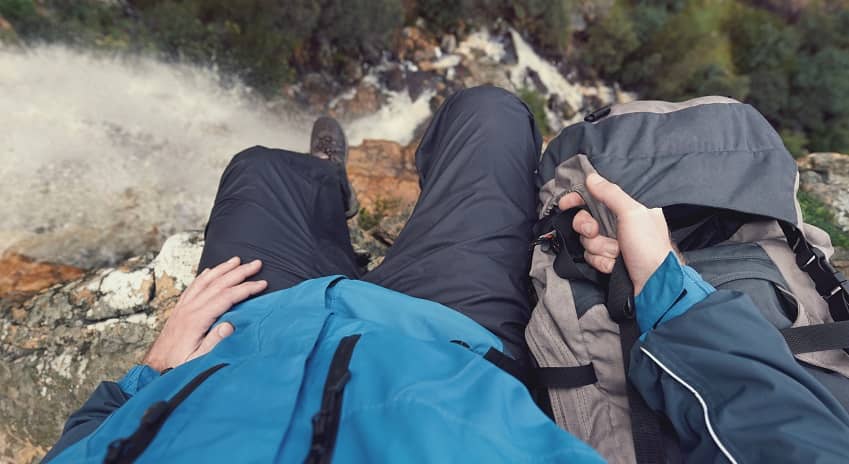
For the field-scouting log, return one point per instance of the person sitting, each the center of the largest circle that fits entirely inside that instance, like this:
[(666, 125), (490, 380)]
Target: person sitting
[(283, 350)]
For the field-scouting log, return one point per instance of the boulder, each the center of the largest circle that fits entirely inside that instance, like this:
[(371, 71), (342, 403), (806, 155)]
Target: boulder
[(58, 344), (21, 275), (364, 99), (826, 177), (416, 45), (382, 171)]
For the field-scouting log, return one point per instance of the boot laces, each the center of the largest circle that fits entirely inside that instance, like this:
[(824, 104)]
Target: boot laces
[(327, 145)]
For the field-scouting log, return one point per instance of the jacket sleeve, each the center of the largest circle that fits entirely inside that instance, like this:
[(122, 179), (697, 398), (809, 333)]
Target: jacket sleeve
[(728, 383), (107, 397)]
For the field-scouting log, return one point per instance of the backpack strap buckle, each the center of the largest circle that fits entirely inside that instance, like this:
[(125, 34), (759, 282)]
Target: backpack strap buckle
[(830, 283), (838, 301)]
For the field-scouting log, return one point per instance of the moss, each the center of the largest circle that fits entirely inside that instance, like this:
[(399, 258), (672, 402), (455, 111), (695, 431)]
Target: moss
[(369, 219), (536, 102), (817, 213)]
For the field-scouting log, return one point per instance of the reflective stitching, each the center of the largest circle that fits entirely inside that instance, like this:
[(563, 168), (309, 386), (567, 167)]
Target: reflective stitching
[(701, 401)]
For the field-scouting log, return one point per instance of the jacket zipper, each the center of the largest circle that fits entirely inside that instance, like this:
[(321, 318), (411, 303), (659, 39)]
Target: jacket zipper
[(127, 450), (325, 422)]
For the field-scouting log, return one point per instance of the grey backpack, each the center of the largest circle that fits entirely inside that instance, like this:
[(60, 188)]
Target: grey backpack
[(728, 189)]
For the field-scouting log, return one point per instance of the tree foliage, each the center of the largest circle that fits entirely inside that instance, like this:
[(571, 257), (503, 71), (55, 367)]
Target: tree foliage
[(793, 67), (794, 70)]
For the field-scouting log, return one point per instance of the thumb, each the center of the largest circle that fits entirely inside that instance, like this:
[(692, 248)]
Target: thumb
[(218, 333), (619, 202)]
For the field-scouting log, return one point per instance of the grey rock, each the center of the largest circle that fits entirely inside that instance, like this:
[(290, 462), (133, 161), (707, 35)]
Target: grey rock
[(826, 176), (393, 79), (448, 43), (57, 346)]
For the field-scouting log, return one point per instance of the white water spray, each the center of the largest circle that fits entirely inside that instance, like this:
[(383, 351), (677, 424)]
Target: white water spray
[(105, 156)]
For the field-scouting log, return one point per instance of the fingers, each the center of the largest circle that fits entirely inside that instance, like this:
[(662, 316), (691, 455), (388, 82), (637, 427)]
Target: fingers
[(220, 302), (585, 224), (218, 333), (209, 275), (601, 246), (600, 263), (570, 200), (619, 202), (244, 290), (237, 275)]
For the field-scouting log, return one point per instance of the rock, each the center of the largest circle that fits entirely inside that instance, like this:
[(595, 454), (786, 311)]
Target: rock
[(381, 171), (20, 275), (442, 64), (5, 26), (415, 45), (365, 99), (56, 346), (175, 266), (840, 260), (393, 79), (418, 82), (448, 43), (122, 293), (826, 176), (317, 89)]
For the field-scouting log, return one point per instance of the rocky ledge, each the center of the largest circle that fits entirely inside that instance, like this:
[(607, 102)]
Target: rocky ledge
[(64, 329), (60, 338)]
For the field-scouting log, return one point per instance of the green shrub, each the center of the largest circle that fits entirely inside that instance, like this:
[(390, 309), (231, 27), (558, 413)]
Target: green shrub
[(369, 219), (536, 102), (795, 73), (795, 142), (817, 213), (819, 98), (610, 41), (23, 15), (544, 22)]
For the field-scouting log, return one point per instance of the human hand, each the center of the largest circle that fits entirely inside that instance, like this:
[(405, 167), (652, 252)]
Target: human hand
[(642, 233), (186, 333)]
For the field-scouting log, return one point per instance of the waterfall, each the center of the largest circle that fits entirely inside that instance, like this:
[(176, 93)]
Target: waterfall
[(118, 151)]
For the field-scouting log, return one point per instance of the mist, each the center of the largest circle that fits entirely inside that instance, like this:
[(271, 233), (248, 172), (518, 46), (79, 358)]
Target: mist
[(124, 148)]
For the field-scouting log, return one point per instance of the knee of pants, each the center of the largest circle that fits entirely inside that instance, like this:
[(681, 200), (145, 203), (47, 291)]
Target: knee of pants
[(263, 160), (259, 157), (495, 110)]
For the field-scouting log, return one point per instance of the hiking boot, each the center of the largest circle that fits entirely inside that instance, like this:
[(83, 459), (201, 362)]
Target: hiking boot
[(328, 142)]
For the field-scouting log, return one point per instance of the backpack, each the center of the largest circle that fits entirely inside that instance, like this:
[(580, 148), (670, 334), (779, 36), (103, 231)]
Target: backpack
[(728, 189)]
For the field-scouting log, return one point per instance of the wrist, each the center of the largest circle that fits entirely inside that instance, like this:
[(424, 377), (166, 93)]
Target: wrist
[(670, 291), (137, 378), (152, 359)]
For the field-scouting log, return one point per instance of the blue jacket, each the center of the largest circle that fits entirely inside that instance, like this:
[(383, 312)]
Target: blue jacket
[(413, 395)]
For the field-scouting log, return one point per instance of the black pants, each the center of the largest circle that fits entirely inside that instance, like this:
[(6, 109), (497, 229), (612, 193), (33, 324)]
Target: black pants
[(465, 245)]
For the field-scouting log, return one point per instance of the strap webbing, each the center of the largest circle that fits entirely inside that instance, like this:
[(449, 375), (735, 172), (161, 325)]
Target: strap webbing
[(565, 377), (127, 450), (819, 337), (832, 286), (645, 425), (325, 423), (547, 377), (830, 283), (555, 232)]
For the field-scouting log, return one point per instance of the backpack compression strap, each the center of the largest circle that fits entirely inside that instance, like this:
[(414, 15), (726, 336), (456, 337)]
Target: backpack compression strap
[(645, 425), (832, 286), (556, 234)]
